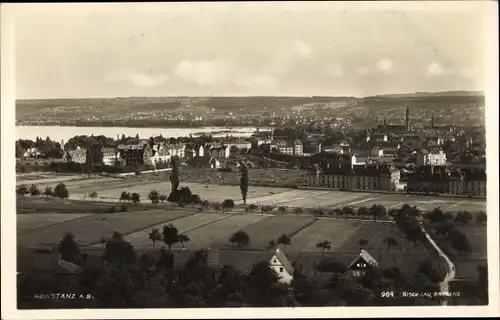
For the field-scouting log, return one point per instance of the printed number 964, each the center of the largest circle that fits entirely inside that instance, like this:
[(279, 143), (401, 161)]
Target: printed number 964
[(387, 294)]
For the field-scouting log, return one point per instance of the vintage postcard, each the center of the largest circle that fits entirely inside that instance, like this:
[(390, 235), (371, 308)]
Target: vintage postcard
[(249, 159)]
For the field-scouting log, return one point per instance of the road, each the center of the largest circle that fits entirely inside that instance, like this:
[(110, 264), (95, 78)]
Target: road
[(450, 268)]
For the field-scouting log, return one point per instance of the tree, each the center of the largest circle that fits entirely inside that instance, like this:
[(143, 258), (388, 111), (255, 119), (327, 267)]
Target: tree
[(155, 235), (463, 217), (391, 242), (154, 196), (217, 206), (125, 196), (48, 192), (61, 191), (241, 238), (174, 175), (183, 238), (282, 209), (162, 198), (34, 191), (22, 190), (93, 195), (119, 252), (68, 248), (461, 243), (363, 212), (338, 212), (252, 207), (244, 181), (481, 217), (347, 211), (135, 197), (195, 199), (227, 204), (324, 246), (170, 235), (298, 210), (378, 211), (284, 240)]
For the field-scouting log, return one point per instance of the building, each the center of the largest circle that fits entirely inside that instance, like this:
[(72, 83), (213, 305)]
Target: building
[(109, 156), (434, 157), (136, 154), (32, 153), (177, 150), (429, 179), (160, 154), (362, 263), (218, 152), (283, 267), (298, 148), (286, 147), (78, 155), (361, 177), (470, 181)]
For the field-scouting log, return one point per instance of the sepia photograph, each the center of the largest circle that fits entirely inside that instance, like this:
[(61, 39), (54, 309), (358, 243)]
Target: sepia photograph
[(246, 156)]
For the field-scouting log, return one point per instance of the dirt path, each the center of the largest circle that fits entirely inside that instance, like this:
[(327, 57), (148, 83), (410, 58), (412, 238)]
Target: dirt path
[(450, 268)]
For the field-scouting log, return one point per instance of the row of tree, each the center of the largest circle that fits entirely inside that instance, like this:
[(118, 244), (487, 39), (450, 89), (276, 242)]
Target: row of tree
[(60, 191)]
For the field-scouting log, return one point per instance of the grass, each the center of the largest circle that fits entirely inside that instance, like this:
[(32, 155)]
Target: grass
[(90, 229), (261, 233), (466, 267), (27, 222), (336, 231), (217, 234), (140, 239)]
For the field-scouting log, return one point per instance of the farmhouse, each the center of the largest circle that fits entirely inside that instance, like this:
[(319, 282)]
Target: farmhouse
[(362, 263), (280, 263)]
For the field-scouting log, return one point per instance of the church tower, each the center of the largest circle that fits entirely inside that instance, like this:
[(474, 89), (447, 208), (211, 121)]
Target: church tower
[(407, 119)]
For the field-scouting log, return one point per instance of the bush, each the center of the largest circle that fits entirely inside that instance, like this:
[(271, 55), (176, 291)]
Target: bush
[(124, 208), (34, 191), (61, 191), (137, 173), (136, 197), (22, 190), (48, 192), (112, 209)]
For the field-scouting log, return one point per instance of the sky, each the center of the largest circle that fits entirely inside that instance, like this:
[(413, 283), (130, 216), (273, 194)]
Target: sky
[(244, 49)]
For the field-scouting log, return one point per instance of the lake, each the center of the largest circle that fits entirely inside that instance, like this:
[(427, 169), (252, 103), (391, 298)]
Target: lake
[(59, 133)]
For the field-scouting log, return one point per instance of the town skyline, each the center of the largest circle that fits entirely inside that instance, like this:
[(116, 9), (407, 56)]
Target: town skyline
[(243, 50)]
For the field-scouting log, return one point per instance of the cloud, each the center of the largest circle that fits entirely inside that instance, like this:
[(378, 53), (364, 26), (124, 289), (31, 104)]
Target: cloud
[(437, 70), (302, 49), (256, 81), (333, 71), (363, 71), (203, 72), (385, 65), (139, 79)]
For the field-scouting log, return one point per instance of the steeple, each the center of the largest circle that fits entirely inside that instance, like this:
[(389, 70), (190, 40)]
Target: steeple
[(407, 118)]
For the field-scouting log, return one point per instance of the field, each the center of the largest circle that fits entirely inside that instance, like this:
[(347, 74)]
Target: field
[(262, 232), (466, 267), (27, 222), (109, 189), (90, 229), (140, 239)]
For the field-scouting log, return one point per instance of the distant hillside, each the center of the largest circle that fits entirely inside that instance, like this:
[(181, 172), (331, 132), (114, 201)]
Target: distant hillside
[(430, 94)]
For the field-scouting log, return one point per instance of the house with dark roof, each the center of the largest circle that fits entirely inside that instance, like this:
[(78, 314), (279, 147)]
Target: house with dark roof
[(362, 263), (280, 263)]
